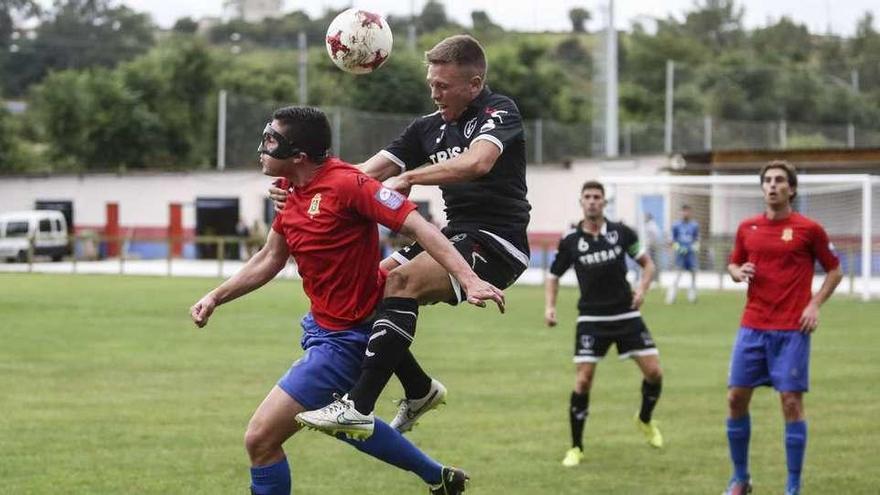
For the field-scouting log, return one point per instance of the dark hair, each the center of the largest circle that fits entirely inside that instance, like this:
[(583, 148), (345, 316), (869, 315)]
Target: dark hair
[(593, 184), (307, 129), (462, 50), (790, 172), (685, 207)]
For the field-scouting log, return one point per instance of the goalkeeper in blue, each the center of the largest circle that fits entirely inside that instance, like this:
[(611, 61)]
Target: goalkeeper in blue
[(685, 245)]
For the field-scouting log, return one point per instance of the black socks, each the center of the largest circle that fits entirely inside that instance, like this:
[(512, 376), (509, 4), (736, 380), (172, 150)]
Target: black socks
[(650, 396), (393, 332), (577, 416)]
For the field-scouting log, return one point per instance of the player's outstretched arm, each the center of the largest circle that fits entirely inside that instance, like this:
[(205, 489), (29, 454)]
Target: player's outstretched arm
[(258, 270), (438, 246), (551, 290), (379, 167), (476, 162)]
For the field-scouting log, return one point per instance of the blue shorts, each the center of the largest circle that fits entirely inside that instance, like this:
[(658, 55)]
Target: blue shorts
[(686, 261), (780, 358), (330, 365)]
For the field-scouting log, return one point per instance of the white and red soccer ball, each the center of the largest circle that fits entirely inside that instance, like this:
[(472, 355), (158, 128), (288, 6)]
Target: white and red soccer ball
[(358, 41)]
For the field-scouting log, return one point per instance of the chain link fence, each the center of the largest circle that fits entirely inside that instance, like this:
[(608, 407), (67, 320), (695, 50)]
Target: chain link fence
[(358, 135)]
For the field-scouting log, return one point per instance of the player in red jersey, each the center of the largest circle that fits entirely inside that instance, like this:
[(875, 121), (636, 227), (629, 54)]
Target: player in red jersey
[(775, 254), (329, 226)]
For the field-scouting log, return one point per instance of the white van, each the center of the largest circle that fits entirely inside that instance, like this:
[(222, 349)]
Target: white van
[(48, 228)]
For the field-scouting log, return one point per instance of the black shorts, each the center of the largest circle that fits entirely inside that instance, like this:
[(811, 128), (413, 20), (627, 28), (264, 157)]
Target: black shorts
[(492, 258), (593, 338)]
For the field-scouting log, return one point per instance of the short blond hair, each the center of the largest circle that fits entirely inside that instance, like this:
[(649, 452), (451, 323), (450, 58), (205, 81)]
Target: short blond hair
[(462, 50)]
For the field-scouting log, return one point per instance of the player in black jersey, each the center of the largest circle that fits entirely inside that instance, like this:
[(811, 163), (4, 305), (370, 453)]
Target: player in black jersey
[(608, 311), (473, 147)]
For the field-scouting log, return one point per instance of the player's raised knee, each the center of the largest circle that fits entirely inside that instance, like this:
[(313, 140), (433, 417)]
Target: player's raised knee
[(398, 284), (654, 375)]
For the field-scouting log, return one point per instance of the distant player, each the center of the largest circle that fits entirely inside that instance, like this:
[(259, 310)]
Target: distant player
[(686, 246), (608, 309), (473, 147), (775, 254), (329, 226)]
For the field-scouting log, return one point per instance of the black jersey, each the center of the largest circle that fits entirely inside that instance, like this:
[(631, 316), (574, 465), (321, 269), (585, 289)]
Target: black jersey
[(496, 201), (600, 265)]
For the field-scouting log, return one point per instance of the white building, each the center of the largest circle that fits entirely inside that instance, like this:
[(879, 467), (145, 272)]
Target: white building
[(252, 10)]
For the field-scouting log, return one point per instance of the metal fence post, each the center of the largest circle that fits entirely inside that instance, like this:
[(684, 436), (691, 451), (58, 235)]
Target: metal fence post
[(670, 96), (221, 130), (539, 141), (337, 131), (707, 132), (303, 69), (783, 134), (221, 254)]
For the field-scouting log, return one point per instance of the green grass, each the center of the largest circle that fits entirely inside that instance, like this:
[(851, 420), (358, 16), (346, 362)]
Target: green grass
[(107, 388)]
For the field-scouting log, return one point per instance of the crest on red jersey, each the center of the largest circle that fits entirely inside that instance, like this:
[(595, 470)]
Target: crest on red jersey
[(315, 206), (787, 234)]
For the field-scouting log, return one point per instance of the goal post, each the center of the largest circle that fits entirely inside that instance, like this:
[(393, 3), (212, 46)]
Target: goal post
[(847, 205)]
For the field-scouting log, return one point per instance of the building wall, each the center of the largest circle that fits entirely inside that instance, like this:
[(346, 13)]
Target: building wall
[(143, 198)]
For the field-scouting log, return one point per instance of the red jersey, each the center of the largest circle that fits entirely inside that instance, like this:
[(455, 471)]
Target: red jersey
[(784, 253), (330, 229)]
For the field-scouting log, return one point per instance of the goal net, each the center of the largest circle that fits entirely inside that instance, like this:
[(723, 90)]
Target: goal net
[(847, 205)]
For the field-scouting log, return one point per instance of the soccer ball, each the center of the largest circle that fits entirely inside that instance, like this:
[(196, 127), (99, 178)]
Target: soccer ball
[(358, 41)]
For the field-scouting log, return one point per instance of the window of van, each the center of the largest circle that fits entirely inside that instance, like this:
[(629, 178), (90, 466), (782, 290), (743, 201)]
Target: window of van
[(45, 225), (57, 225), (17, 229)]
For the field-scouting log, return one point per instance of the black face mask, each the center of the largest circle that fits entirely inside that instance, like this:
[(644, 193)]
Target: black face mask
[(283, 149)]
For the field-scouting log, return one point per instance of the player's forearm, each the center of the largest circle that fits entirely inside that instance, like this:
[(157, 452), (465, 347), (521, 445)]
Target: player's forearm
[(438, 246), (551, 290), (647, 278), (379, 167), (461, 169), (733, 270), (832, 279), (258, 270)]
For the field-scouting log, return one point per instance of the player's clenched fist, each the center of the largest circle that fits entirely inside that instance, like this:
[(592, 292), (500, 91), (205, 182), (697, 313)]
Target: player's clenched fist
[(201, 311)]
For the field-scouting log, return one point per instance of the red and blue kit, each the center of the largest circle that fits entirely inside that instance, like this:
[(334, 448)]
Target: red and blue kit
[(330, 229), (784, 253)]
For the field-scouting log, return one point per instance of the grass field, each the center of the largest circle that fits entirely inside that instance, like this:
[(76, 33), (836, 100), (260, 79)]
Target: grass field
[(107, 388)]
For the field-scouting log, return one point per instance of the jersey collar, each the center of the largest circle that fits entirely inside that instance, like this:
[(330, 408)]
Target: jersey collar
[(602, 230), (481, 98)]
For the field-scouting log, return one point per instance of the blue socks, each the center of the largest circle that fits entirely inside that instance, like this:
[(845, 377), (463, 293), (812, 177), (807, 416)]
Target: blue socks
[(795, 446), (388, 445), (739, 431), (273, 479)]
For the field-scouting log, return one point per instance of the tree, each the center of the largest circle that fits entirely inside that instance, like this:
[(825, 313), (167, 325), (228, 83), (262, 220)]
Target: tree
[(78, 34), (185, 25), (11, 9), (718, 23), (432, 18), (481, 21), (579, 17), (7, 142), (524, 72), (864, 50), (149, 113), (785, 40)]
